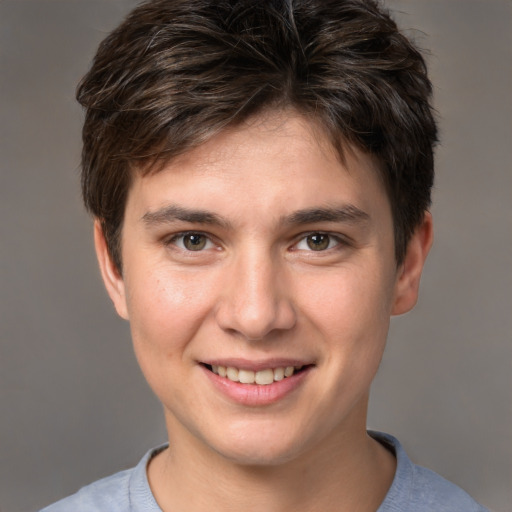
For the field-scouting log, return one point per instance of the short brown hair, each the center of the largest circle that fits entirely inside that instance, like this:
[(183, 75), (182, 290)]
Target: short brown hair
[(176, 72)]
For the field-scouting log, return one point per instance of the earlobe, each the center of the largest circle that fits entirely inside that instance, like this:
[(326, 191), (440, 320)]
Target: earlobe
[(409, 273), (112, 279)]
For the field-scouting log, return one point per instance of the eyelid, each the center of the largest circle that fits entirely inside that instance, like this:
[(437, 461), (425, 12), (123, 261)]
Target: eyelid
[(212, 242), (171, 240), (340, 239)]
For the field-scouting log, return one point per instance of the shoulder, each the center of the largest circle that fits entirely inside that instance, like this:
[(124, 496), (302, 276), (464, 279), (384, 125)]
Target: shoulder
[(111, 493), (126, 491), (431, 490), (420, 489)]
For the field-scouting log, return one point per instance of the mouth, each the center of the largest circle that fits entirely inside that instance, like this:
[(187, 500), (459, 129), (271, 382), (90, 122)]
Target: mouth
[(257, 383), (263, 377)]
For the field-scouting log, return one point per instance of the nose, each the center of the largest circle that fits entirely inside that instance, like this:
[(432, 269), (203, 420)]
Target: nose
[(256, 300)]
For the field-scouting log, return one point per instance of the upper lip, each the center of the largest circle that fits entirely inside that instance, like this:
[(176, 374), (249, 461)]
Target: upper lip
[(256, 365)]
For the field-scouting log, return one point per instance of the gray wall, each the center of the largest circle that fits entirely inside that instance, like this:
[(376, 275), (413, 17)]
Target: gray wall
[(73, 405)]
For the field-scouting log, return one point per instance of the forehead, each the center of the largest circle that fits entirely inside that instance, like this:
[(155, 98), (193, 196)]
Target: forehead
[(274, 162), (283, 131)]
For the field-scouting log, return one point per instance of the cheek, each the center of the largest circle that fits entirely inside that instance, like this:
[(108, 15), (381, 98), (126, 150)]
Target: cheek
[(354, 299), (166, 310), (351, 312)]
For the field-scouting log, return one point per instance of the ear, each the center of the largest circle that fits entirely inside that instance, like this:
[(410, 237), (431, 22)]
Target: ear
[(112, 279), (408, 278)]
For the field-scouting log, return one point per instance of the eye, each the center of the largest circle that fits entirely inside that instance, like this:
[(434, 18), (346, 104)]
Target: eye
[(318, 242), (192, 241)]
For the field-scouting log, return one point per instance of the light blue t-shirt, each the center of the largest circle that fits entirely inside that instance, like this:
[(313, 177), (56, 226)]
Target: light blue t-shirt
[(414, 489)]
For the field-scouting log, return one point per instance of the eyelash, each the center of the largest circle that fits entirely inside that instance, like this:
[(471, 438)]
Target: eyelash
[(302, 239), (174, 240), (338, 241)]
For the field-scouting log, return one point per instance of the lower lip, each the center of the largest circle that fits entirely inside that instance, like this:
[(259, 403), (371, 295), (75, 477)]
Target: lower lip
[(257, 394)]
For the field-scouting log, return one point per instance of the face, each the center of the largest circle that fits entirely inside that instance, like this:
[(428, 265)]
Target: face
[(259, 277)]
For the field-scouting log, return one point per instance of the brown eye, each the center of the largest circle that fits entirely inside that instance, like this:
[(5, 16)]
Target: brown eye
[(194, 241), (318, 241)]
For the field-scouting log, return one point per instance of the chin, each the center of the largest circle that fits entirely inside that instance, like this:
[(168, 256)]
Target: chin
[(260, 451), (259, 458)]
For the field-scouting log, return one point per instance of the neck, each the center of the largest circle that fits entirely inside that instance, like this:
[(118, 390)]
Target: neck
[(350, 472)]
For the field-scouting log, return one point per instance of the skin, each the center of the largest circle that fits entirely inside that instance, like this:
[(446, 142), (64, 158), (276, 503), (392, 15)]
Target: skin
[(261, 291)]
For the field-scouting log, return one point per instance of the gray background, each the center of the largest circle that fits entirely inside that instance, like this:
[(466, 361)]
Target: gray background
[(73, 405)]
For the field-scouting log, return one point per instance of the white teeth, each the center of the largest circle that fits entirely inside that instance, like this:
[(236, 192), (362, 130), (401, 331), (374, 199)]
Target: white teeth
[(246, 376), (262, 377), (232, 374), (279, 374)]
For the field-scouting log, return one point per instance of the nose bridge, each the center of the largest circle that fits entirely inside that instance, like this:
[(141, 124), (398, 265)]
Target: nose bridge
[(255, 301)]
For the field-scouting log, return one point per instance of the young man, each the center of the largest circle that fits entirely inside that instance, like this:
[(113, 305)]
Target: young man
[(260, 175)]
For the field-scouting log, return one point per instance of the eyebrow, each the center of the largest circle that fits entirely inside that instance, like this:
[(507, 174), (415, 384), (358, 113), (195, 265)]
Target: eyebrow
[(173, 213), (346, 213)]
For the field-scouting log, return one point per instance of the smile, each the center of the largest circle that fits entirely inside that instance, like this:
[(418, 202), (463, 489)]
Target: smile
[(257, 383), (262, 377)]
